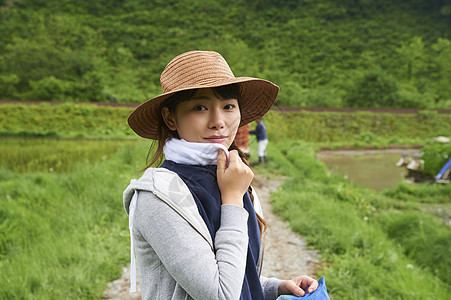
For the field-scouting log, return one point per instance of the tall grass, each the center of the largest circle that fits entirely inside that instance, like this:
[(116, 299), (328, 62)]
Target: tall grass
[(423, 239), (65, 120), (54, 155), (435, 157), (357, 128), (422, 193), (331, 129), (352, 228), (64, 235)]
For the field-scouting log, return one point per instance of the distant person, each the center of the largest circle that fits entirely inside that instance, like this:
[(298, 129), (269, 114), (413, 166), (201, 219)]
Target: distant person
[(404, 160), (416, 163), (195, 222), (262, 139)]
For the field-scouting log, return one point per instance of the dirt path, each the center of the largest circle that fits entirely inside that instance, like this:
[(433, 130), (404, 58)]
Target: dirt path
[(286, 253)]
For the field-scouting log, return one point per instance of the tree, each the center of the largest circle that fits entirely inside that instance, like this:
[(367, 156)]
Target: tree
[(374, 88), (412, 55), (442, 62)]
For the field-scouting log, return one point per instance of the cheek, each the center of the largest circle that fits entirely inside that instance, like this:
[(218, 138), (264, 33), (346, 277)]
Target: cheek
[(235, 122), (190, 125)]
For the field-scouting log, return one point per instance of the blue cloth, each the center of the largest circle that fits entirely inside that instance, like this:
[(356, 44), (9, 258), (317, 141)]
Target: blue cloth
[(443, 170), (260, 131), (203, 184), (319, 294)]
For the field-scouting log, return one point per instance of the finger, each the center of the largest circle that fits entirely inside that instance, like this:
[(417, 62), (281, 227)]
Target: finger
[(308, 282), (234, 157), (294, 289), (222, 160)]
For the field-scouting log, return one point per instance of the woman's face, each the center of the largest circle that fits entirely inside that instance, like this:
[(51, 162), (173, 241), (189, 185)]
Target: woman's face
[(205, 118)]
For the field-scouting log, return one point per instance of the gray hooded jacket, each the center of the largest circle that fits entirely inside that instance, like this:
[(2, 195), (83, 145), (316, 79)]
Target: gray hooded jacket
[(173, 247)]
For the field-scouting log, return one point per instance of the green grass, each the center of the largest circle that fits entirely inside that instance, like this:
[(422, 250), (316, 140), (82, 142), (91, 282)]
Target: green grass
[(64, 120), (354, 230), (65, 235), (424, 193), (325, 129), (422, 238), (357, 129), (435, 157), (54, 155)]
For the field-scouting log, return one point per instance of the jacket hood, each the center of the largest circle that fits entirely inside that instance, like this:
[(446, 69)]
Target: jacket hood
[(145, 183), (165, 184), (171, 189)]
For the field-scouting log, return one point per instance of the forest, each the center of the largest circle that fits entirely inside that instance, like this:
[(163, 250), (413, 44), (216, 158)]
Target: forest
[(322, 53)]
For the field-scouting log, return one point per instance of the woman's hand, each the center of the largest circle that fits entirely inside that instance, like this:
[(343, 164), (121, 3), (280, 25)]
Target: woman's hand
[(234, 179), (298, 286)]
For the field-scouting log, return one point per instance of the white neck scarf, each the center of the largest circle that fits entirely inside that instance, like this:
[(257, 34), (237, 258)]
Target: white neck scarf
[(188, 153)]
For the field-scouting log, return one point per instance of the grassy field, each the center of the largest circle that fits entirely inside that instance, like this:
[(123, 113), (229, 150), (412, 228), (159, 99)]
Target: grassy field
[(64, 233), (55, 155), (326, 129), (374, 246)]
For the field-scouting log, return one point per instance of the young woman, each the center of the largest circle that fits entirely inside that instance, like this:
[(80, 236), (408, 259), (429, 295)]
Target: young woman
[(195, 222)]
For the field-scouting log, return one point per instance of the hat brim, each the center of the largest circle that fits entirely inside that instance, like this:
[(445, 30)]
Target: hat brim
[(257, 97)]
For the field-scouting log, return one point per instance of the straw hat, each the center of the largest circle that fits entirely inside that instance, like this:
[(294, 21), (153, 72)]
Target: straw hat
[(202, 69)]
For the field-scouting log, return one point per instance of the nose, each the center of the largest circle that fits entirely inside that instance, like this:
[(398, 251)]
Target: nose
[(216, 119)]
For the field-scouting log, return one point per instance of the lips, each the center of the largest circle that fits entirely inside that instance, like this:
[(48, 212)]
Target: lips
[(216, 138)]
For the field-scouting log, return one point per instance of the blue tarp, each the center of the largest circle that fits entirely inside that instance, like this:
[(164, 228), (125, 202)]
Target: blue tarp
[(319, 294), (443, 170)]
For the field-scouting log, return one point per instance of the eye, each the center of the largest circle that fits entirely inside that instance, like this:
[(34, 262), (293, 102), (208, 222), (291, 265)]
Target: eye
[(199, 107), (229, 106)]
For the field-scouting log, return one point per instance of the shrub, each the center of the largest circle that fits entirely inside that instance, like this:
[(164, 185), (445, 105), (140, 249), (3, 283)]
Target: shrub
[(435, 157), (423, 239), (424, 193), (50, 88), (8, 85), (374, 88)]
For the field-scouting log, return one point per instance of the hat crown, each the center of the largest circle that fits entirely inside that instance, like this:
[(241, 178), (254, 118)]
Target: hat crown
[(193, 69)]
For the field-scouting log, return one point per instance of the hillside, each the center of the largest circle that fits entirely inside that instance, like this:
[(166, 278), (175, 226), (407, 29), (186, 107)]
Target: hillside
[(362, 53)]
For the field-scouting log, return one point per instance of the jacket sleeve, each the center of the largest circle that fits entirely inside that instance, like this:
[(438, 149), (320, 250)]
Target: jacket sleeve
[(270, 287), (189, 259)]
